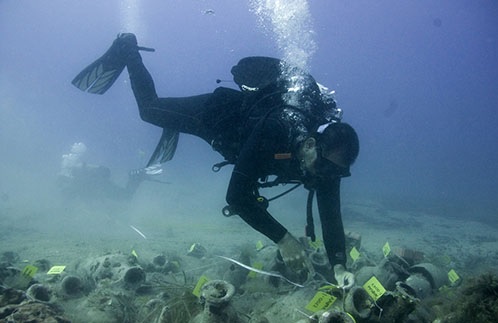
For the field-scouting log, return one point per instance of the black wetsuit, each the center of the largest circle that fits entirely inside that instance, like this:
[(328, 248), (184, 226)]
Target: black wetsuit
[(259, 133)]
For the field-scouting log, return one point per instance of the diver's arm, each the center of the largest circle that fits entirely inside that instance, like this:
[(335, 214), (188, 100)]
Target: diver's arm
[(329, 207), (241, 190), (243, 202), (183, 114)]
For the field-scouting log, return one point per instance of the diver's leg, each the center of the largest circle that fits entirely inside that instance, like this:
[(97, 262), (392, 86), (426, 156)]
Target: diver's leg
[(181, 114), (200, 115)]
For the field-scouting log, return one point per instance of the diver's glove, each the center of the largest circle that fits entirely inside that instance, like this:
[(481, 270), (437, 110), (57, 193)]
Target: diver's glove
[(294, 256), (344, 278)]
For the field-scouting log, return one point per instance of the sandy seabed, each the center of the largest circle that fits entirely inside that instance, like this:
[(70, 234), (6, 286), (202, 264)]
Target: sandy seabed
[(77, 235)]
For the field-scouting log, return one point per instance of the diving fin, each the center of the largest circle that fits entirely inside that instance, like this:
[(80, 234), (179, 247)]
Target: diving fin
[(99, 76), (166, 147)]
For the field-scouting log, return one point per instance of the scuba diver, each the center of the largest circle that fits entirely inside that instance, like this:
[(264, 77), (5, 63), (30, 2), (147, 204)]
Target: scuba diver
[(280, 123), (80, 180)]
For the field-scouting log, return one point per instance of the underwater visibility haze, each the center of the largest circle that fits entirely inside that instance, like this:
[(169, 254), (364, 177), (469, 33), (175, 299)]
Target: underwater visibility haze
[(418, 80)]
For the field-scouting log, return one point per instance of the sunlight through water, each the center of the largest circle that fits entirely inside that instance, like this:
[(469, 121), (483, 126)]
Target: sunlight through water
[(289, 22), (130, 17)]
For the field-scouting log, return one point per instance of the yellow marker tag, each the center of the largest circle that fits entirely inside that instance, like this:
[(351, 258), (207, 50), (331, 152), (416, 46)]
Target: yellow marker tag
[(317, 244), (29, 271), (321, 301), (198, 286), (374, 288), (257, 265), (134, 253), (453, 276), (56, 270), (386, 249), (259, 245), (354, 253)]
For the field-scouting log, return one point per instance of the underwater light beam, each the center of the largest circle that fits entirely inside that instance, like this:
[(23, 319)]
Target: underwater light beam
[(130, 17), (290, 23)]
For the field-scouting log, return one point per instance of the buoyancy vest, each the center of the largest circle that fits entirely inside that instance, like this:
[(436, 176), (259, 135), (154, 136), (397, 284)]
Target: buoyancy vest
[(269, 85)]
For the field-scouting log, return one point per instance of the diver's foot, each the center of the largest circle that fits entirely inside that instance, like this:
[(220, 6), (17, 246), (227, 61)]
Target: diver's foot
[(127, 39), (124, 46)]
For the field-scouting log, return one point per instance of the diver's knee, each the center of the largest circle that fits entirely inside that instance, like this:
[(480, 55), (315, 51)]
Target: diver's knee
[(147, 115)]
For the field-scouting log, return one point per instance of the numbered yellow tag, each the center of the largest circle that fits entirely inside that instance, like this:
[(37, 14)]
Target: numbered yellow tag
[(386, 249), (259, 245), (29, 271), (56, 270), (197, 289), (321, 301), (134, 253), (257, 265), (354, 253), (374, 288), (453, 276)]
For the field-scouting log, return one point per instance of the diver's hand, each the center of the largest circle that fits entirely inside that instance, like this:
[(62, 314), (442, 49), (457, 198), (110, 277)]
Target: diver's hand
[(294, 256), (344, 278)]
